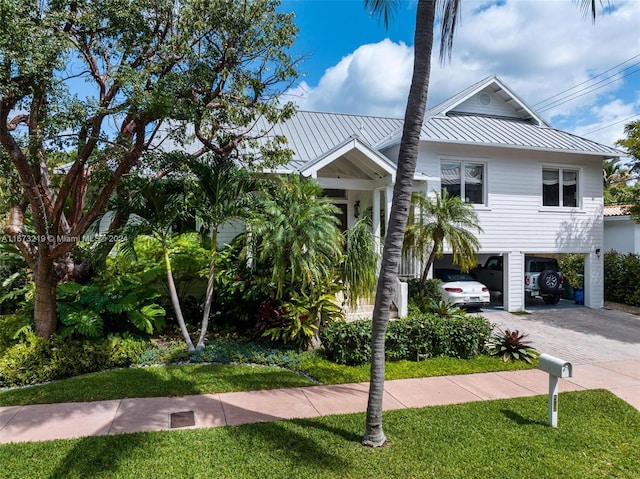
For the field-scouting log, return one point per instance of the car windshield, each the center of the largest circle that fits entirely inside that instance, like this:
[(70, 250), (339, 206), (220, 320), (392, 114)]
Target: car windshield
[(540, 266)]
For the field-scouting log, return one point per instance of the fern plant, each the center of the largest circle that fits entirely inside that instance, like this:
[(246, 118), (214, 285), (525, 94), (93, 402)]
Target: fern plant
[(512, 346)]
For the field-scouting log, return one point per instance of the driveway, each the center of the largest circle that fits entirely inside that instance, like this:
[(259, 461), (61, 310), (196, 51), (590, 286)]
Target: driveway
[(575, 333)]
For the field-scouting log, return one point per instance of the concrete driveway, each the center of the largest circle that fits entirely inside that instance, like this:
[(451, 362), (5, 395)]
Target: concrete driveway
[(575, 333)]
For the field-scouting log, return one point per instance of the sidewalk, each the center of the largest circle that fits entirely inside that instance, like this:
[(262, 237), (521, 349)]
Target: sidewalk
[(71, 420)]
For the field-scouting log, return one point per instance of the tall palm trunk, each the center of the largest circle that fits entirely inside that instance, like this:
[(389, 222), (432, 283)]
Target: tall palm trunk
[(174, 298), (208, 297), (392, 253)]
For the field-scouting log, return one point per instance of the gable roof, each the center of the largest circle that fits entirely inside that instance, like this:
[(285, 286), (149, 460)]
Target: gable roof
[(486, 113), (489, 85)]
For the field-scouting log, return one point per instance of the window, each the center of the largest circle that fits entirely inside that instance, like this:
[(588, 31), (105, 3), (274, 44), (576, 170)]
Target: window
[(464, 179), (560, 187)]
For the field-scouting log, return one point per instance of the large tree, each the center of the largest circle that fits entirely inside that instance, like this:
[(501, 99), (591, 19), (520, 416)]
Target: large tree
[(103, 82), (407, 157)]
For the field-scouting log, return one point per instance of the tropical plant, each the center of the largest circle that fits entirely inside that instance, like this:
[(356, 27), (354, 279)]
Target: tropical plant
[(184, 74), (360, 263), (154, 206), (83, 309), (294, 231), (224, 193), (407, 158), (512, 346), (435, 220)]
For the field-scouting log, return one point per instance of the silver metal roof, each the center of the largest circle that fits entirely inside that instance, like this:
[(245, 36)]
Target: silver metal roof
[(311, 135), (506, 132)]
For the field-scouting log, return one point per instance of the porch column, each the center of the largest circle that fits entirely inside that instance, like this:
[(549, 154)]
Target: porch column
[(513, 281), (594, 280), (388, 199), (375, 217)]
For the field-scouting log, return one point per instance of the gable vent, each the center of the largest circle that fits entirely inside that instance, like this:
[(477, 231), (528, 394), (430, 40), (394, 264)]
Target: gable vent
[(484, 98)]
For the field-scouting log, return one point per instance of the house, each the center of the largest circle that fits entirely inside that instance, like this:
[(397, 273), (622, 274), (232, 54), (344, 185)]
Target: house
[(536, 189), (621, 232)]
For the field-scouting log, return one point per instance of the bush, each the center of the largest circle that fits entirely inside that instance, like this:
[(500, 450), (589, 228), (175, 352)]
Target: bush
[(418, 337), (430, 294), (621, 277), (36, 360)]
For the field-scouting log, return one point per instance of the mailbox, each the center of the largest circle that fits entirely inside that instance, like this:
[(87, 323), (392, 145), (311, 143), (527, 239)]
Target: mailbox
[(555, 366)]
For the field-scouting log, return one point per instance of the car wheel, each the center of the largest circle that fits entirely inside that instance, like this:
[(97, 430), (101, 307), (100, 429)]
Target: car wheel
[(549, 281), (555, 299)]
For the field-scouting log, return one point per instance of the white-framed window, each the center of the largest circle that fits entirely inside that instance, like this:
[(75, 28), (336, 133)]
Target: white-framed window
[(560, 187), (464, 179)]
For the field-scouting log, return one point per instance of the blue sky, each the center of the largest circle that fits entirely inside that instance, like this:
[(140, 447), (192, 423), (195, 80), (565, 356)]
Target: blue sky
[(539, 48)]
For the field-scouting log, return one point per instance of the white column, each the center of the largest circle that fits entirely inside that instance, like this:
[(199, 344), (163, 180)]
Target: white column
[(513, 281), (375, 216), (594, 280), (388, 199)]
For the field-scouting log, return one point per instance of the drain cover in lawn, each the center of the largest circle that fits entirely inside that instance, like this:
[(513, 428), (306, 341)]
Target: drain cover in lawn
[(182, 419)]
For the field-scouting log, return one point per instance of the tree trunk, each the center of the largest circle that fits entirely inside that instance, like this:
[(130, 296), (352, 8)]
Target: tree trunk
[(45, 316), (208, 297), (175, 300), (392, 253)]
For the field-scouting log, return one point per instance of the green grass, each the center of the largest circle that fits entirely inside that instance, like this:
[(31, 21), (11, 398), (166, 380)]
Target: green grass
[(202, 379), (328, 372), (597, 437), (155, 382)]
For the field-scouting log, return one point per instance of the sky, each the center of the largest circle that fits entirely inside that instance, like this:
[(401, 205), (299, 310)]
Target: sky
[(539, 48)]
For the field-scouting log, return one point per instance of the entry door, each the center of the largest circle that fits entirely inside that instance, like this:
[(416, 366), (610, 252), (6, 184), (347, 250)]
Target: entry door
[(342, 216)]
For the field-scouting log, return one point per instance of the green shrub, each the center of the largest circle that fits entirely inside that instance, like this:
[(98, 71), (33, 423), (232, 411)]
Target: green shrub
[(621, 277), (512, 346), (36, 360), (348, 343), (420, 298), (421, 336)]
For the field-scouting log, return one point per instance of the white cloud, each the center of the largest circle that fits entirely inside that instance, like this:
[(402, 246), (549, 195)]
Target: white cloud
[(539, 48), (374, 80)]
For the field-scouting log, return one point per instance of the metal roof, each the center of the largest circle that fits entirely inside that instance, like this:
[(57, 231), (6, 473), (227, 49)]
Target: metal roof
[(311, 135), (506, 132)]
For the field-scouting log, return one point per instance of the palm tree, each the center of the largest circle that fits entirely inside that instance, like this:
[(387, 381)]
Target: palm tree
[(153, 207), (224, 192), (407, 157), (296, 232), (360, 262), (437, 219)]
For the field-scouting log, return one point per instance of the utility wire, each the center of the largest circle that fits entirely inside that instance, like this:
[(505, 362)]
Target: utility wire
[(590, 79), (611, 124), (589, 89)]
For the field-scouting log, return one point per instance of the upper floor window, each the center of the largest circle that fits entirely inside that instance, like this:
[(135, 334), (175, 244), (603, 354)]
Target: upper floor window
[(464, 179), (560, 187)]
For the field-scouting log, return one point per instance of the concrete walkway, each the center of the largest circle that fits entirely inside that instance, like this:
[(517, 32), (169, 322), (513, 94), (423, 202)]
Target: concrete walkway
[(71, 420)]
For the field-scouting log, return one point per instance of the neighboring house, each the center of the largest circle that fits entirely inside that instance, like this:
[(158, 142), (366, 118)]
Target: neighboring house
[(537, 190), (621, 232)]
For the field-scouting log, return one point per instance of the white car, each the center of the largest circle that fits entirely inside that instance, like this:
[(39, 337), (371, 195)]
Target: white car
[(460, 289)]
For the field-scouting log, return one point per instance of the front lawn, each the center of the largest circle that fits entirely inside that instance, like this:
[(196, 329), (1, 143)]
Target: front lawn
[(597, 437), (202, 379)]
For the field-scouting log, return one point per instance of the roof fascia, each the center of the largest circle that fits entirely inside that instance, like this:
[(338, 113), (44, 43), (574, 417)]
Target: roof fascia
[(351, 143)]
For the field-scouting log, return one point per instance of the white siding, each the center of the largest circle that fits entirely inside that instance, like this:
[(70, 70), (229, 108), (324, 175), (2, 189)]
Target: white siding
[(594, 280), (513, 277), (513, 218), (228, 231), (496, 107), (621, 234)]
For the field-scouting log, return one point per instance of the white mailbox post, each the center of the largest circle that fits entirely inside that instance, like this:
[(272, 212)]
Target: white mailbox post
[(557, 368)]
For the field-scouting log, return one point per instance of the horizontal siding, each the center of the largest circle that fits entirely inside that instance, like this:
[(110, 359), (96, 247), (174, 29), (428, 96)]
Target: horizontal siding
[(621, 235), (496, 107), (514, 219), (228, 231)]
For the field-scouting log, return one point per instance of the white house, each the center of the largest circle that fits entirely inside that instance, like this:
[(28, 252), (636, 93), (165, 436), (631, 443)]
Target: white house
[(621, 232), (537, 190)]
